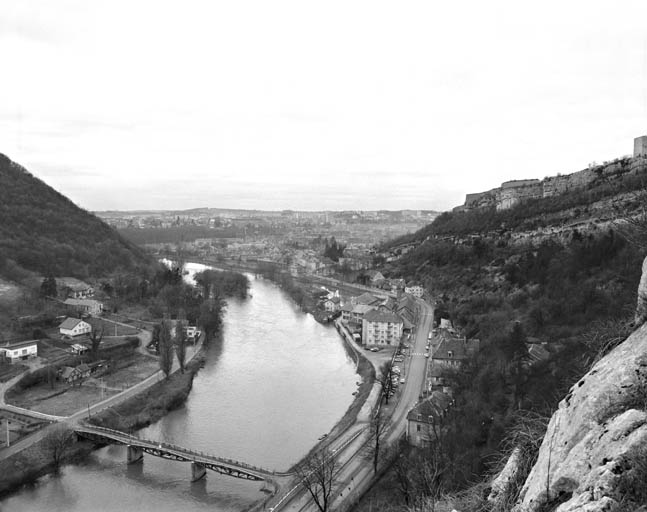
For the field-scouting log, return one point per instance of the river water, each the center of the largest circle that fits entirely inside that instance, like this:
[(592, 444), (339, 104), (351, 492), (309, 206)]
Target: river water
[(276, 384)]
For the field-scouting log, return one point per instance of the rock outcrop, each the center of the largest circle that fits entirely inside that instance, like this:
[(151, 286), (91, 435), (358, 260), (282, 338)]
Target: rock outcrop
[(641, 307), (594, 455)]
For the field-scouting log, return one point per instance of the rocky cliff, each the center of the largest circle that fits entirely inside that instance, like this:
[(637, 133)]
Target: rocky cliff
[(511, 193), (594, 454)]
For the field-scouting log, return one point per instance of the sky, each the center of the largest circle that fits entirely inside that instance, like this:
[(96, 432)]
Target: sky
[(338, 105)]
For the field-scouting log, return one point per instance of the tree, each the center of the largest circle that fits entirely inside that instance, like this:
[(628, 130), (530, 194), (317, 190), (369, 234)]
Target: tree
[(95, 339), (211, 317), (180, 344), (48, 287), (378, 429), (57, 442), (165, 348), (317, 474), (385, 378)]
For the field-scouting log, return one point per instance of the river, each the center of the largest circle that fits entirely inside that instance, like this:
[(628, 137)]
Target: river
[(276, 384)]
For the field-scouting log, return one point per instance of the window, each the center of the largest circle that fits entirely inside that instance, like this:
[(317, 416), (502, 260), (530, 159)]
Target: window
[(24, 351), (450, 353), (417, 428)]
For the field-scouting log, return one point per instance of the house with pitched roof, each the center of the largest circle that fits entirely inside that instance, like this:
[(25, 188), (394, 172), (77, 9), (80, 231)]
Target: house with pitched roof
[(73, 287), (74, 327), (357, 314), (381, 327), (332, 304), (425, 420), (85, 306)]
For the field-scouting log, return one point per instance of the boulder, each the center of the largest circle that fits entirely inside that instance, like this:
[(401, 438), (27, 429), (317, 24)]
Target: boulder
[(594, 454), (501, 485)]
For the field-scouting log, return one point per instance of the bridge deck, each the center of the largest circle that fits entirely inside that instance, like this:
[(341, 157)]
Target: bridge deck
[(170, 451)]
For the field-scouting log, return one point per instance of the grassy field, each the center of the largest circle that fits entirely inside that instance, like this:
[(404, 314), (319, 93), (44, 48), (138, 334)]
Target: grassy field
[(10, 370), (63, 399), (110, 328), (149, 406)]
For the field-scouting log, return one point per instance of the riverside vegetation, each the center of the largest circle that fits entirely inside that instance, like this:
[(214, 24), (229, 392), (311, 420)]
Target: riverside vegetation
[(203, 305)]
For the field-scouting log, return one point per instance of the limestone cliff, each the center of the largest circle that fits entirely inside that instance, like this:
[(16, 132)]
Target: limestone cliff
[(641, 307), (594, 454)]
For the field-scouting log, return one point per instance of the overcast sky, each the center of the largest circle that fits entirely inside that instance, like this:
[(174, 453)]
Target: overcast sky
[(315, 105)]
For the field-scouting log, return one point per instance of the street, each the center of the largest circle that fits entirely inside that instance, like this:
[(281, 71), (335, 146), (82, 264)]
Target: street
[(355, 475)]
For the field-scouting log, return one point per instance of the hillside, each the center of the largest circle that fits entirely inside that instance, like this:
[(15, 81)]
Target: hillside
[(43, 232), (548, 286), (617, 189)]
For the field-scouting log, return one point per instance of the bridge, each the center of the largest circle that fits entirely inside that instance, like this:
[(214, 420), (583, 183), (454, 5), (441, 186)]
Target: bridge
[(200, 461)]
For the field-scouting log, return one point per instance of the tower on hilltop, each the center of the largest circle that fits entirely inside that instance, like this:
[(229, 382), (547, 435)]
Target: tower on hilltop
[(640, 146)]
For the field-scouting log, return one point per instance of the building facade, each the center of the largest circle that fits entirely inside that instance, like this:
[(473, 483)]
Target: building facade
[(381, 327), (19, 351), (74, 327)]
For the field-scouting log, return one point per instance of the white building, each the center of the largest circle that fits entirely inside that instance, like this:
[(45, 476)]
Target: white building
[(381, 327), (414, 289), (17, 351), (332, 304), (74, 327)]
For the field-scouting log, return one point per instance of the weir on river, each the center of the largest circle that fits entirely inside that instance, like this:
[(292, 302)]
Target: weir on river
[(278, 382)]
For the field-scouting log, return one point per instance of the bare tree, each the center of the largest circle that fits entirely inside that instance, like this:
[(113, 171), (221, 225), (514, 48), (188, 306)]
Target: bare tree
[(378, 429), (95, 339), (57, 443), (165, 348), (317, 475), (385, 378), (180, 344)]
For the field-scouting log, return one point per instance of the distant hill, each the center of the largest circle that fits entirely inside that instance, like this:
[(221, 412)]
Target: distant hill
[(41, 231)]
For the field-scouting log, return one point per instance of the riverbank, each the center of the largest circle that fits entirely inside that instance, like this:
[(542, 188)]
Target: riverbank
[(153, 404), (366, 372), (27, 466)]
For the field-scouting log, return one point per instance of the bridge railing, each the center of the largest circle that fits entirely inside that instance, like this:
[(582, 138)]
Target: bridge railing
[(109, 432)]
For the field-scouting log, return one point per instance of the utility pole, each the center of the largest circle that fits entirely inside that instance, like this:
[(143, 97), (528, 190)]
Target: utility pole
[(8, 438)]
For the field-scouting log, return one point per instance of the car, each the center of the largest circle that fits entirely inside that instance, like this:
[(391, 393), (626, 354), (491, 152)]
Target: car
[(426, 354), (402, 381), (375, 349)]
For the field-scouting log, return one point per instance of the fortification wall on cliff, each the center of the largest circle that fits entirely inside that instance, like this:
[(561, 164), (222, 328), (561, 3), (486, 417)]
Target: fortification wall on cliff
[(512, 192)]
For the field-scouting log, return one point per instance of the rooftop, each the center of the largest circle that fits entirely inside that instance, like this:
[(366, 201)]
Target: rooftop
[(382, 316), (70, 323), (430, 409), (455, 346)]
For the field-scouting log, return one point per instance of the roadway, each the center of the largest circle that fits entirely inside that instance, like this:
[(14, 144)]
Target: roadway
[(356, 474)]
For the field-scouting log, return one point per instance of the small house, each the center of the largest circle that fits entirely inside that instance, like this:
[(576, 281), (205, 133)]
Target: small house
[(425, 419), (71, 375), (332, 305), (85, 306), (73, 288), (74, 327), (19, 351)]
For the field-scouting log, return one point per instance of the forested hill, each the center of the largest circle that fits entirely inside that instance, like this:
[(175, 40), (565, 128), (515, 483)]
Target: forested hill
[(43, 232)]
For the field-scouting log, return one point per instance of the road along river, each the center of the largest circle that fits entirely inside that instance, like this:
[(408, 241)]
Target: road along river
[(277, 383)]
